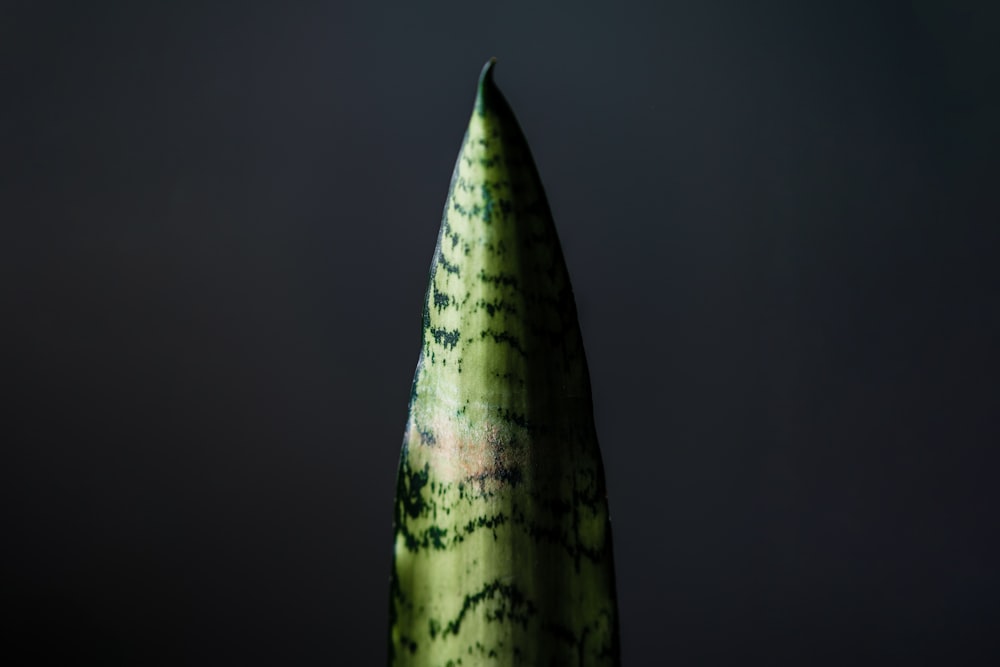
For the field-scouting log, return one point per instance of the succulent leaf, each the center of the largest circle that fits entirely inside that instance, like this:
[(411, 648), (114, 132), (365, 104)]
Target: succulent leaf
[(502, 550)]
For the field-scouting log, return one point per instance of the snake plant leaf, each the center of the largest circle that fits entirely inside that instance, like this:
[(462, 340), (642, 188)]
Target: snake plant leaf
[(502, 551)]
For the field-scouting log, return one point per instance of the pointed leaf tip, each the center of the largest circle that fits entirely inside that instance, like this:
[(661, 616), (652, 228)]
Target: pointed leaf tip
[(485, 81), (487, 73)]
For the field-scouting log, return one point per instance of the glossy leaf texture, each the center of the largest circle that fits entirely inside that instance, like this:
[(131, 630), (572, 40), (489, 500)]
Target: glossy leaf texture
[(502, 551)]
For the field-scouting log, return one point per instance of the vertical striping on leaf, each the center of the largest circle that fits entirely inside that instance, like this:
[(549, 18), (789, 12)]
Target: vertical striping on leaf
[(502, 552)]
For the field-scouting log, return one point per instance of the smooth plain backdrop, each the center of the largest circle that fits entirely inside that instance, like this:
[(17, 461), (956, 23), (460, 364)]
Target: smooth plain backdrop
[(781, 223)]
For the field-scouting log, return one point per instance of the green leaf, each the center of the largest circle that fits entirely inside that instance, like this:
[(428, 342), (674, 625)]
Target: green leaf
[(502, 542)]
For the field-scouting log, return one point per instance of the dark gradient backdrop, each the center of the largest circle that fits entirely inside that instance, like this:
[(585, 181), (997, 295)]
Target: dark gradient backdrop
[(781, 223)]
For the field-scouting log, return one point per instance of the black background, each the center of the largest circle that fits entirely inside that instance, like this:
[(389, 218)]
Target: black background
[(781, 223)]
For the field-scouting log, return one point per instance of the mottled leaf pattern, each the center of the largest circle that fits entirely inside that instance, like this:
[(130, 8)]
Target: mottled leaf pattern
[(502, 550)]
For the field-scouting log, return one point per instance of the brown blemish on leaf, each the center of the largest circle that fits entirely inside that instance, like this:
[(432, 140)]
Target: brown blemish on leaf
[(488, 457)]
